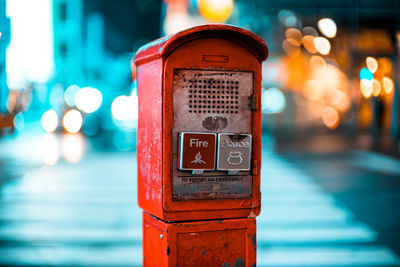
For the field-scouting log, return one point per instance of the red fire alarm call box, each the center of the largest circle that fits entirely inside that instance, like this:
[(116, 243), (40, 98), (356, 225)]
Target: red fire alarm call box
[(199, 129)]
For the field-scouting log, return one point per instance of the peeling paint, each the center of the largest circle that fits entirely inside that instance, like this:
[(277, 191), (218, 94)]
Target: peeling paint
[(226, 264), (168, 251), (215, 123), (239, 262), (254, 240)]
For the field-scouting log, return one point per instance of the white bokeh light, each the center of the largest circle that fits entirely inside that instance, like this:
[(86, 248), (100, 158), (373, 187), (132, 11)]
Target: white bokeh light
[(72, 121), (88, 99), (327, 27), (49, 121), (273, 101)]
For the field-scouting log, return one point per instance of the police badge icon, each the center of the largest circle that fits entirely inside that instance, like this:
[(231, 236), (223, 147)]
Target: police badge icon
[(235, 158), (234, 152)]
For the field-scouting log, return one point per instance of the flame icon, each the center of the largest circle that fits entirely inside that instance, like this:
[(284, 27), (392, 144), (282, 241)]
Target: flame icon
[(197, 159)]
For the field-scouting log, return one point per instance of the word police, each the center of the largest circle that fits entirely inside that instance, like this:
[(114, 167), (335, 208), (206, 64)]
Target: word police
[(236, 144)]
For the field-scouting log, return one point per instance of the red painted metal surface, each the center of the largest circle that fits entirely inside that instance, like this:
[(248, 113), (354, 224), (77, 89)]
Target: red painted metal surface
[(208, 47), (229, 242), (162, 47)]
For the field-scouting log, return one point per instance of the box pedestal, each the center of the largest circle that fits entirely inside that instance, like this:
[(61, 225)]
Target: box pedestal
[(224, 243)]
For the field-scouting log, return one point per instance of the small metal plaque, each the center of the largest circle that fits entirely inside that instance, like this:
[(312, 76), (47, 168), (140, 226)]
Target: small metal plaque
[(197, 151), (234, 152), (212, 186)]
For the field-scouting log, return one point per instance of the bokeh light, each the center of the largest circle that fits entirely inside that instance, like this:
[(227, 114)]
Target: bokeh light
[(310, 31), (176, 22), (19, 121), (327, 27), (69, 95), (125, 107), (288, 18), (330, 117), (366, 74), (72, 121), (88, 99), (317, 63), (366, 88), (273, 101), (387, 84), (49, 121), (91, 125), (290, 49), (308, 43), (314, 90), (294, 36), (215, 10), (72, 147), (376, 88), (372, 64), (322, 45), (340, 100)]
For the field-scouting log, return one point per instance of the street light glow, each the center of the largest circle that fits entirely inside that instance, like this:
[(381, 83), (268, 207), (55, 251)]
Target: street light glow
[(49, 121), (88, 99), (372, 64), (294, 36), (366, 88), (366, 74), (216, 10), (330, 117), (376, 88), (273, 101), (317, 63), (387, 84), (69, 94), (308, 43), (322, 45), (72, 121), (327, 27)]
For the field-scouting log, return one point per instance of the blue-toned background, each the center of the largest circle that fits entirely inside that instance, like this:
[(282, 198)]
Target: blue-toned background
[(68, 118)]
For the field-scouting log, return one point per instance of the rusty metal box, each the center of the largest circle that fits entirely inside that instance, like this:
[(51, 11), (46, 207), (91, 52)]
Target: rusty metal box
[(229, 242), (196, 88)]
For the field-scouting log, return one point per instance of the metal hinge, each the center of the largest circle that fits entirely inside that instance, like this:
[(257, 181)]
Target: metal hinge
[(254, 102)]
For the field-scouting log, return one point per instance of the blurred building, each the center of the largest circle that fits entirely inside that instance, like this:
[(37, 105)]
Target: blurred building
[(67, 38), (4, 41)]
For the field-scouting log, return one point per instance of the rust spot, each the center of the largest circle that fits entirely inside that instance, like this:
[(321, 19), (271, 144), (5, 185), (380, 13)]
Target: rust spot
[(236, 137), (226, 264), (215, 123), (204, 252), (168, 251), (239, 262), (220, 221), (254, 240)]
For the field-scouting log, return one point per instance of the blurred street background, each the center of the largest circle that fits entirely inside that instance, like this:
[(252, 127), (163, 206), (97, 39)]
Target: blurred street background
[(68, 117)]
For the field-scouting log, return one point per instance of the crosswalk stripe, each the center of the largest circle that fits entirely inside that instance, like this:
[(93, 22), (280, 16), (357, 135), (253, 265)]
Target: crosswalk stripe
[(326, 256)]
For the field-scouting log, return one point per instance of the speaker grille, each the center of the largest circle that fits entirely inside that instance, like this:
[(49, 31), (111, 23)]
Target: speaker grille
[(213, 96)]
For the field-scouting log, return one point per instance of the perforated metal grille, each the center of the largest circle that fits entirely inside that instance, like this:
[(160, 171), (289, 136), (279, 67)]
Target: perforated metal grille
[(213, 96)]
